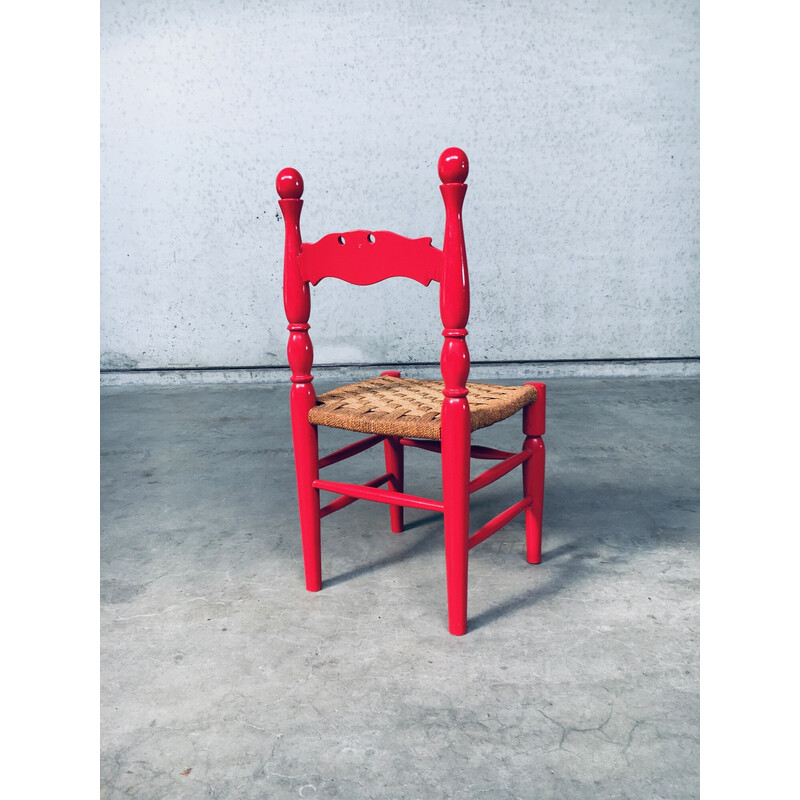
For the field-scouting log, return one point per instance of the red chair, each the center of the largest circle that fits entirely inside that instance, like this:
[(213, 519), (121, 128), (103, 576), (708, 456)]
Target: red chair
[(403, 412)]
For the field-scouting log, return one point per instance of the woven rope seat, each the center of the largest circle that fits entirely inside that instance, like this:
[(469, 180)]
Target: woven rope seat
[(412, 407)]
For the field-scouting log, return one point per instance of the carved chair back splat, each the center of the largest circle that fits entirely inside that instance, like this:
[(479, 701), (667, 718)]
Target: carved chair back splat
[(433, 415)]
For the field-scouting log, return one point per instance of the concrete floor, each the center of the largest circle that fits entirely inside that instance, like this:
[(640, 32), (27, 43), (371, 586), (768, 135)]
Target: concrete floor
[(223, 678)]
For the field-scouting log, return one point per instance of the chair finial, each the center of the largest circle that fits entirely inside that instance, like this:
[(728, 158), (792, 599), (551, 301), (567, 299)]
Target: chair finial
[(453, 165), (289, 184)]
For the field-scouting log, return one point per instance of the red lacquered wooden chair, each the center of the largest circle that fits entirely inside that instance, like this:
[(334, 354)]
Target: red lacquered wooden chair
[(434, 415)]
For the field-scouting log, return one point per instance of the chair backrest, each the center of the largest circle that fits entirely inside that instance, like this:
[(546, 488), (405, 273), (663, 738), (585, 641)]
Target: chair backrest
[(364, 257)]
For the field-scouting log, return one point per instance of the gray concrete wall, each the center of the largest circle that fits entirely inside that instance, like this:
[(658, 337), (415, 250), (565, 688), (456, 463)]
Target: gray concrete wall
[(582, 218)]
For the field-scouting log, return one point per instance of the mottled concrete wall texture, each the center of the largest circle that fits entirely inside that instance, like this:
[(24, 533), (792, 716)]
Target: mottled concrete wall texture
[(581, 121)]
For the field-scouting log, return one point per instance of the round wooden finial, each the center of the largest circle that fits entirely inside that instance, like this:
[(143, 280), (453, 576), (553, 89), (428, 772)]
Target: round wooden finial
[(289, 184), (453, 166)]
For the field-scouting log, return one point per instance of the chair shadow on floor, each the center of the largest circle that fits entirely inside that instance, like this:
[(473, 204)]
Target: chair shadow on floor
[(430, 542), (599, 532), (577, 536)]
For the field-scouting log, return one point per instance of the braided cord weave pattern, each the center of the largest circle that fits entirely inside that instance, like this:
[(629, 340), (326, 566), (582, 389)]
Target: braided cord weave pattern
[(411, 406)]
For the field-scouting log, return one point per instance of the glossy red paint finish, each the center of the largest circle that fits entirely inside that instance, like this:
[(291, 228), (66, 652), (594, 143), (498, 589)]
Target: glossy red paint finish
[(393, 453), (453, 166), (364, 257), (454, 289), (494, 525), (302, 398), (533, 422), (351, 450), (497, 471), (456, 433), (533, 487), (343, 500), (365, 492), (306, 459), (533, 426), (455, 493), (296, 294), (289, 184)]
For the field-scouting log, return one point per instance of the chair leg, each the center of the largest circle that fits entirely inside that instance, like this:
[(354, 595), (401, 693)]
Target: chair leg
[(533, 426), (455, 492), (394, 464), (393, 451), (306, 461)]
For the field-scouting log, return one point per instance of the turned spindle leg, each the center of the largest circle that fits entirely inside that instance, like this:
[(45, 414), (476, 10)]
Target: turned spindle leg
[(300, 352), (456, 430), (306, 461), (533, 426), (393, 452), (455, 492)]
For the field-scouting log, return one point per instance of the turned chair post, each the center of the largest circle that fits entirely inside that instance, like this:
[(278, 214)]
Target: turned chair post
[(533, 426), (456, 433), (300, 352), (393, 453)]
